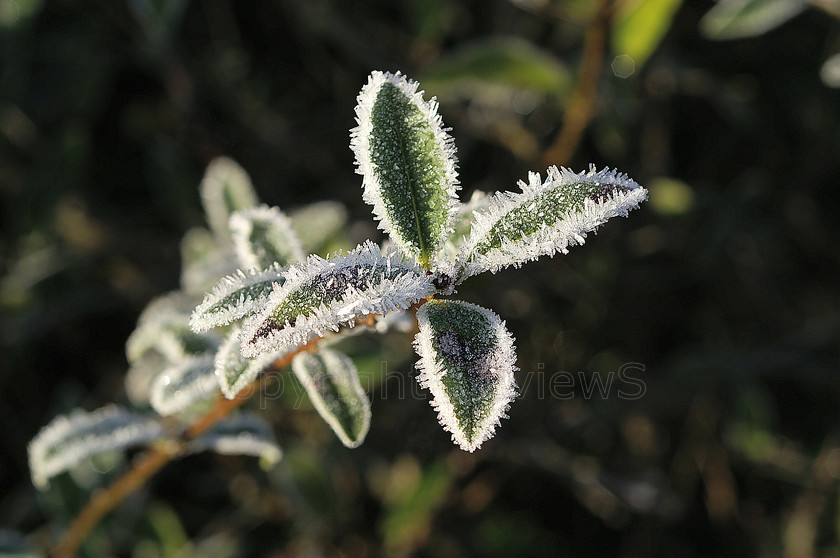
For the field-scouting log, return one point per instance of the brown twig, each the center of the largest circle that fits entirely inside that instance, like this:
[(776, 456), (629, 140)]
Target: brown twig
[(152, 461), (142, 470), (581, 105), (828, 6)]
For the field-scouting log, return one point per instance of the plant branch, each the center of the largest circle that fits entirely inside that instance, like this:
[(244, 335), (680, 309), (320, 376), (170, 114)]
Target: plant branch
[(152, 461), (582, 101), (142, 470), (831, 7)]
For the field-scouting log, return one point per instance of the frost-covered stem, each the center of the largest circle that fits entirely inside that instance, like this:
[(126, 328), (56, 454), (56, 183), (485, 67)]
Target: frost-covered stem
[(582, 101), (152, 461)]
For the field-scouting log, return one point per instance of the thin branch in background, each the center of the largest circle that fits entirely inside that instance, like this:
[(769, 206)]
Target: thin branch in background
[(152, 461), (143, 468), (831, 7), (582, 101)]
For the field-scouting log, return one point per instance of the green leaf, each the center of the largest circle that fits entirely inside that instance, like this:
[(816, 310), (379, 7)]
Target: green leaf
[(163, 328), (182, 385), (639, 26), (225, 188), (203, 261), (332, 383), (546, 217), (464, 220), (830, 71), (18, 14), (738, 19), (175, 342), (235, 297), (321, 295), (318, 223), (467, 361), (497, 65), (70, 439), (241, 434), (262, 237), (234, 371), (141, 376), (408, 163)]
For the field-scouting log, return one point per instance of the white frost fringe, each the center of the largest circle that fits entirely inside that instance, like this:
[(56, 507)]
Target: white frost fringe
[(235, 372), (241, 226), (70, 439), (501, 362), (206, 316), (360, 143), (184, 384), (385, 295), (159, 327), (223, 174), (241, 434), (325, 367), (567, 231)]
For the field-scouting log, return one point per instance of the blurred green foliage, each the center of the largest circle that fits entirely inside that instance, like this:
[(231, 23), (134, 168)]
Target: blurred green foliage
[(723, 289)]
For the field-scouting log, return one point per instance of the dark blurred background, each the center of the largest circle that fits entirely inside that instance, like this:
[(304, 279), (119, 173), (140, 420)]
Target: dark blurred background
[(722, 289)]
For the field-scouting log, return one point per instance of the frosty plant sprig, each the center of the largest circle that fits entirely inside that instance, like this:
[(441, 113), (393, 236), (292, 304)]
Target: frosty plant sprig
[(252, 300)]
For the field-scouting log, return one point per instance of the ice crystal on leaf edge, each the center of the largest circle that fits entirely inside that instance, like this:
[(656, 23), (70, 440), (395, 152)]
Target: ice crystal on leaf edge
[(339, 290), (613, 194), (365, 144), (69, 439), (441, 351)]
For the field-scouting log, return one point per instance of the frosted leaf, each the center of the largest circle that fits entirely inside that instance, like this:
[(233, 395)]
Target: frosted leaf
[(467, 361), (241, 434), (546, 217), (70, 439), (234, 297), (332, 383), (141, 375), (321, 295), (166, 308), (830, 71), (408, 163), (184, 384), (203, 261), (225, 188), (163, 327), (262, 237), (738, 19), (234, 371), (317, 223), (174, 341), (463, 222)]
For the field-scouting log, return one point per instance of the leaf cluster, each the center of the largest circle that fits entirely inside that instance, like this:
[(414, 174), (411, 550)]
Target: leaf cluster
[(250, 296)]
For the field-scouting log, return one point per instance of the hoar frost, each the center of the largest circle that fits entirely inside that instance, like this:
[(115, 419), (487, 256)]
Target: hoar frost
[(69, 439), (321, 295), (234, 371), (235, 297), (546, 217), (184, 384), (408, 163), (332, 382), (263, 236), (467, 362), (407, 160)]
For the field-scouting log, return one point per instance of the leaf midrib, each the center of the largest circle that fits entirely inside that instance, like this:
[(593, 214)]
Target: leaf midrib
[(424, 256)]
